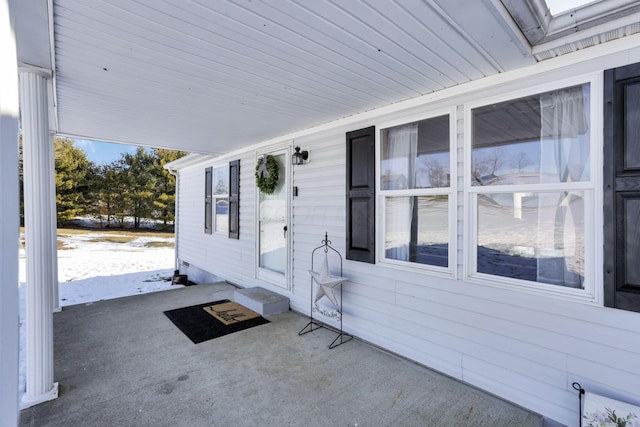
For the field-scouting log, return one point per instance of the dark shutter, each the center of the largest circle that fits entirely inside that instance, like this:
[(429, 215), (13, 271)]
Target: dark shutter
[(208, 187), (622, 188), (361, 195), (234, 199)]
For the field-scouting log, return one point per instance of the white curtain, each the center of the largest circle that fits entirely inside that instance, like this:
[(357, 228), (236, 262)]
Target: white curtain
[(401, 152), (564, 158), (564, 121)]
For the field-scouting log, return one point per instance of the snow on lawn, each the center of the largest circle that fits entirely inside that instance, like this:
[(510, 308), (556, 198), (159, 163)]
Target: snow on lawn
[(95, 266)]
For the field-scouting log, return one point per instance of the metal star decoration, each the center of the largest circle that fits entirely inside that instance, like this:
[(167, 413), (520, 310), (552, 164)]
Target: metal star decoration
[(326, 282)]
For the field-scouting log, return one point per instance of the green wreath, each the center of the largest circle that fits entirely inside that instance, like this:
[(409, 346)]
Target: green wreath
[(267, 174)]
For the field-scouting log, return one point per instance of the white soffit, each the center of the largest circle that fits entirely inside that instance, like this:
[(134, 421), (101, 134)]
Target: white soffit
[(213, 76)]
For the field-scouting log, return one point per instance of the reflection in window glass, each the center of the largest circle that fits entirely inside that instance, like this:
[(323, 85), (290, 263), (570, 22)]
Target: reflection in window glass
[(417, 229), (208, 185), (537, 139), (415, 181), (416, 155), (272, 216), (534, 236), (221, 180), (221, 199), (222, 215)]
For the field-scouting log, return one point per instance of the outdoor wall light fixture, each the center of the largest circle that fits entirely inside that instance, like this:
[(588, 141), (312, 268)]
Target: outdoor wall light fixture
[(299, 157)]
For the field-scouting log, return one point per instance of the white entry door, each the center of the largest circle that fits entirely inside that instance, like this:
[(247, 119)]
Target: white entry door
[(273, 226)]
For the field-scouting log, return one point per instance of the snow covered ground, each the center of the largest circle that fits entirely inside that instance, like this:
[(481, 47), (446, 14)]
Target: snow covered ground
[(94, 266)]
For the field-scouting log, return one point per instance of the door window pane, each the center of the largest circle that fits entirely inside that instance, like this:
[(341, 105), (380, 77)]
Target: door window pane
[(417, 229), (208, 184), (534, 236), (272, 223)]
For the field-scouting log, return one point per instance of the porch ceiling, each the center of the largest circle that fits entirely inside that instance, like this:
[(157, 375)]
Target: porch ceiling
[(212, 76)]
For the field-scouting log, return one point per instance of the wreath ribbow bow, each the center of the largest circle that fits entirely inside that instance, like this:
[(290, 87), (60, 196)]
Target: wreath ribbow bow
[(267, 174)]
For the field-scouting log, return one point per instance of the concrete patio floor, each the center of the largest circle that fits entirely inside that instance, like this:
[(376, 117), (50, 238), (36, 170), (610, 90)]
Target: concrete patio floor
[(122, 362)]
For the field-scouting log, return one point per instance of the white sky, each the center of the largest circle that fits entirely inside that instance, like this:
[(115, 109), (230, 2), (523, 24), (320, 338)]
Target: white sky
[(559, 6), (103, 152)]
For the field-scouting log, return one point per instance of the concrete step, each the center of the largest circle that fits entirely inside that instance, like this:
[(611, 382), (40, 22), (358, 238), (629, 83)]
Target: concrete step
[(261, 301)]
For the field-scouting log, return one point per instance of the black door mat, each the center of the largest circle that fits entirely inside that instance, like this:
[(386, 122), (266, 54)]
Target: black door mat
[(200, 326)]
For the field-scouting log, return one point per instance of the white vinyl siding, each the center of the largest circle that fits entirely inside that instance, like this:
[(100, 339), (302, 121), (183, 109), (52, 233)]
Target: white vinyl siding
[(527, 347), (228, 258)]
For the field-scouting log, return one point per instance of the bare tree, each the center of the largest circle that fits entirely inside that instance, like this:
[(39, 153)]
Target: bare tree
[(521, 160), (494, 160), (436, 173)]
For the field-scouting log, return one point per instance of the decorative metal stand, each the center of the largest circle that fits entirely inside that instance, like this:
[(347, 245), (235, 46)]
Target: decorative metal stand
[(314, 324), (581, 392)]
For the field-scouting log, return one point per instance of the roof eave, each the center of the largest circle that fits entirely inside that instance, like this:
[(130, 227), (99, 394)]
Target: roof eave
[(188, 161)]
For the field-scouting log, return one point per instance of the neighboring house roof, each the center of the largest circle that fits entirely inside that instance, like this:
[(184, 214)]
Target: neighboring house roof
[(486, 179)]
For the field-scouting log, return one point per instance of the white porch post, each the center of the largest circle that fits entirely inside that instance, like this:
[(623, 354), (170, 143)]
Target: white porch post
[(40, 236), (9, 220)]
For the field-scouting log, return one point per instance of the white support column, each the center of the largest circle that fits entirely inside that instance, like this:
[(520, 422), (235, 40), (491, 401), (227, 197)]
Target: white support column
[(9, 220), (40, 236)]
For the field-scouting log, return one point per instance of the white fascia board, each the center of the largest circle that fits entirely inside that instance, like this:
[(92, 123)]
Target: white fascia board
[(594, 31), (188, 161), (545, 31), (532, 18)]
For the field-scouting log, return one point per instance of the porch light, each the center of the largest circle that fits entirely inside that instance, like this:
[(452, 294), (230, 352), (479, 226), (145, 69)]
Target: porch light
[(299, 157)]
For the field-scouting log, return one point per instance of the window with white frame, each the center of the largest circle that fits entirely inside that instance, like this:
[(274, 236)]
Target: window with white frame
[(416, 193), (531, 189), (221, 199)]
